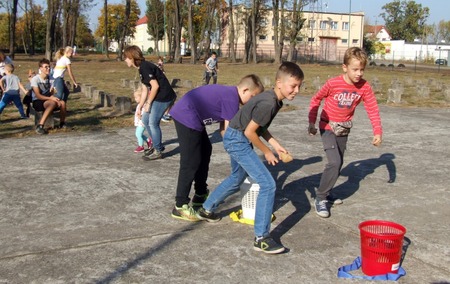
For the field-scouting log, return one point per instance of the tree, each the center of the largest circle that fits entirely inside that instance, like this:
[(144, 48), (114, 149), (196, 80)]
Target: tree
[(405, 20), (12, 28), (297, 23), (443, 31), (52, 13), (155, 23)]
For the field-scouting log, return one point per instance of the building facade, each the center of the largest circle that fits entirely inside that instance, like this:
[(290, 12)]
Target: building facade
[(324, 36)]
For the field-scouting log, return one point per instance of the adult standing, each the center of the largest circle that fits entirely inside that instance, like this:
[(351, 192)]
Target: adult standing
[(157, 95)]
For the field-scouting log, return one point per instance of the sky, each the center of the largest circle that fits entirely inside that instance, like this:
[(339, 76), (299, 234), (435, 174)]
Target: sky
[(439, 9)]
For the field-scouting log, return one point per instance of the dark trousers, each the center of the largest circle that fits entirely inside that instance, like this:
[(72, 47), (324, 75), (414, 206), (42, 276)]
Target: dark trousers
[(195, 155), (334, 148)]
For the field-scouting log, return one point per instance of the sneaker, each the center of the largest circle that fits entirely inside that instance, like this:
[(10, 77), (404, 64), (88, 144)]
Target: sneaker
[(24, 117), (166, 118), (40, 129), (62, 126), (155, 155), (149, 143), (150, 151), (204, 215), (139, 149), (321, 208), (268, 245), (198, 200), (334, 200), (185, 212)]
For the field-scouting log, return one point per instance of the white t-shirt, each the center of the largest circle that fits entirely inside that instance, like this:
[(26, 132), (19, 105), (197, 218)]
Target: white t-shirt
[(61, 67)]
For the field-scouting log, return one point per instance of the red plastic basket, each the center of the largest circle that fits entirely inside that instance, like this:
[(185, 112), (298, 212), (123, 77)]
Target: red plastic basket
[(381, 246)]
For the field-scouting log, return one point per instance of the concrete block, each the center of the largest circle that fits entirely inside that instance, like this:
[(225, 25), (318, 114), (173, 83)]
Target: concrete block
[(123, 104), (125, 83), (394, 96), (175, 83), (447, 95), (423, 92), (49, 123), (98, 97), (110, 100)]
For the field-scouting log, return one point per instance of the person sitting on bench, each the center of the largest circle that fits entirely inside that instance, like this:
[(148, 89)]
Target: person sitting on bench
[(43, 97)]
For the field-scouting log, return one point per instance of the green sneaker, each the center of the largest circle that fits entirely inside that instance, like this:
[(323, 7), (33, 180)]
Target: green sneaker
[(185, 212)]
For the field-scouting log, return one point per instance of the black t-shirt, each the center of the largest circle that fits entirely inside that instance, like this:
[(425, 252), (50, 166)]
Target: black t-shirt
[(262, 109), (149, 71)]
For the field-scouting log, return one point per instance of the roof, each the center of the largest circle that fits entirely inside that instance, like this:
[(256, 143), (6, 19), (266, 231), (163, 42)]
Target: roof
[(142, 21)]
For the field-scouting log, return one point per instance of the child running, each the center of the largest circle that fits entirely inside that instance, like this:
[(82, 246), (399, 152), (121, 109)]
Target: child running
[(11, 86), (140, 127), (341, 95), (243, 132)]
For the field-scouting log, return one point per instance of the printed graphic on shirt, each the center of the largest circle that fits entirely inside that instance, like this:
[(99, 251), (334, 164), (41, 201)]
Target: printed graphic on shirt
[(209, 121), (346, 99)]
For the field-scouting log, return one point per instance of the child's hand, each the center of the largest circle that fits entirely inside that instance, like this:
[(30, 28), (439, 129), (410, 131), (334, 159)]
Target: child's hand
[(271, 159), (312, 130), (377, 140)]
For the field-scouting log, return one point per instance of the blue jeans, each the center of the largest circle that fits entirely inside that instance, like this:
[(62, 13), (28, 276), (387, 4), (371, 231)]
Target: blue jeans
[(12, 96), (62, 92), (245, 161), (152, 122)]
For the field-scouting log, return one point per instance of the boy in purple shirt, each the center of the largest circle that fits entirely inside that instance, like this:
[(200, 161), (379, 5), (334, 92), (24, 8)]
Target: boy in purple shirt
[(199, 107)]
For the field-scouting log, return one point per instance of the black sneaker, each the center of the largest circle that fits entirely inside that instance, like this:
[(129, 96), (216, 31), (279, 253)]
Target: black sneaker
[(40, 129), (321, 208), (268, 245), (333, 200), (204, 215), (198, 200)]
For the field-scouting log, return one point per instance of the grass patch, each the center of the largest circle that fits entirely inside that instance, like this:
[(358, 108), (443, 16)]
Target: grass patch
[(107, 74)]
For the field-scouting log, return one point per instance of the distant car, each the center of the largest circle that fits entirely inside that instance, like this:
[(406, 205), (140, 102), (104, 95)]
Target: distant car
[(441, 61)]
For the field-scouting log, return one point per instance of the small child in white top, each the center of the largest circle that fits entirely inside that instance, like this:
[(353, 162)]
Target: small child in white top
[(140, 128)]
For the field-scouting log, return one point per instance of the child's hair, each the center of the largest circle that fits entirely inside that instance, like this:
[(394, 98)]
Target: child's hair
[(44, 61), (213, 53), (134, 52), (62, 51), (290, 69), (252, 82), (9, 68), (355, 53)]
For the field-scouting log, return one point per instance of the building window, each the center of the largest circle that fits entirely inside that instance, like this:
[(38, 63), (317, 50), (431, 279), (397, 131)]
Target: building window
[(345, 26), (310, 39), (323, 25), (344, 40), (355, 41), (312, 24), (334, 25), (299, 39), (262, 37)]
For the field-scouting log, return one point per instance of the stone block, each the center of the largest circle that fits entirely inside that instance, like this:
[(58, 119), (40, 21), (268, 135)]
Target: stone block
[(98, 97), (125, 83), (110, 100), (447, 95), (49, 123), (423, 92), (123, 104), (175, 83), (394, 96)]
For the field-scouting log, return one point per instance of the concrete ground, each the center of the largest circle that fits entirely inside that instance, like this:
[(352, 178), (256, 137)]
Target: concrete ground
[(83, 208)]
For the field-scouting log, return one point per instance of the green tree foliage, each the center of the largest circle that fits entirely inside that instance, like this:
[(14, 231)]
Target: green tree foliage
[(369, 46), (444, 31), (84, 37), (116, 18), (405, 20), (155, 24)]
